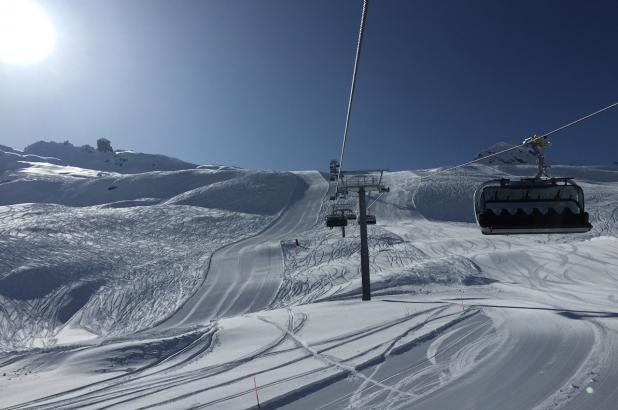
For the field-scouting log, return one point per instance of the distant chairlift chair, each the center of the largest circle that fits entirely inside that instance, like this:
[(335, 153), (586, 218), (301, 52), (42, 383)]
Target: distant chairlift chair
[(370, 219), (334, 169), (336, 220)]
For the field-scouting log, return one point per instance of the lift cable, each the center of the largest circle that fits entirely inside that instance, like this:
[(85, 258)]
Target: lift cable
[(440, 171), (375, 200), (352, 87), (544, 136)]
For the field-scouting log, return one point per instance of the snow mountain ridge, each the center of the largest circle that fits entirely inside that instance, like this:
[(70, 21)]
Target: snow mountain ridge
[(120, 161), (521, 155)]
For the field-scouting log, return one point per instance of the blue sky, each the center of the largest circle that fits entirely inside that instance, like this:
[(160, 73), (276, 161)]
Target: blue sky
[(264, 84)]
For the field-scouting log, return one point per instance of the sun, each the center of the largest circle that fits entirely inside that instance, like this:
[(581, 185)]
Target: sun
[(27, 35)]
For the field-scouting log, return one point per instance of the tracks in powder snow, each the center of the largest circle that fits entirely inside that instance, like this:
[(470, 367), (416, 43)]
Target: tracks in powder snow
[(245, 276), (508, 357), (552, 332), (164, 375), (178, 380), (241, 277)]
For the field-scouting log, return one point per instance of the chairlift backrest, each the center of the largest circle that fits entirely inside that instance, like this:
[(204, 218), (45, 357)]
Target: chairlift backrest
[(336, 220), (554, 205), (527, 198)]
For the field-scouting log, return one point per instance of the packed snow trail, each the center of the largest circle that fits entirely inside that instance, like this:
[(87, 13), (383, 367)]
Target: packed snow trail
[(245, 276)]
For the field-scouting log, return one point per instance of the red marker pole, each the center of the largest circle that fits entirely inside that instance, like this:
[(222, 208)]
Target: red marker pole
[(257, 397)]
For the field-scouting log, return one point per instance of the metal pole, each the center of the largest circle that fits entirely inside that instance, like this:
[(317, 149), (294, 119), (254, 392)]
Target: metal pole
[(364, 247)]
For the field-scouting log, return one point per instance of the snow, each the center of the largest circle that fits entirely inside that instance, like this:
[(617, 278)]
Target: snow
[(174, 288), (256, 193), (122, 161)]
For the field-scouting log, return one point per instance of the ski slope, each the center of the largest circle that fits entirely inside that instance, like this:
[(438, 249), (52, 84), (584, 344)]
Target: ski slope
[(245, 276), (177, 288)]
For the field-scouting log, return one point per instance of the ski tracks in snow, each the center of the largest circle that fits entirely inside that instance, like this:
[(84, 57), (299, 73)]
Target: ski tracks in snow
[(245, 276)]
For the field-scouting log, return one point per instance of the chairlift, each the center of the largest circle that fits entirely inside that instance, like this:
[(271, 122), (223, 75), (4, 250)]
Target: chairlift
[(335, 220), (334, 169), (369, 219), (528, 206), (346, 210), (531, 205)]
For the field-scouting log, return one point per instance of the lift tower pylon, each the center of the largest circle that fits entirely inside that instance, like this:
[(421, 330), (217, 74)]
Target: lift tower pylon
[(361, 183), (362, 211)]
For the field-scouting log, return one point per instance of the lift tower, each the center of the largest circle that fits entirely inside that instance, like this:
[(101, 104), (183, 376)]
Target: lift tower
[(360, 183)]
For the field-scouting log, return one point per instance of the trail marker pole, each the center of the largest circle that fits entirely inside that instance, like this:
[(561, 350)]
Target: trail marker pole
[(257, 397)]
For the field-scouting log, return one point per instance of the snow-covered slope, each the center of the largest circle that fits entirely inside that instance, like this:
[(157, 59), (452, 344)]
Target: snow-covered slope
[(113, 253), (11, 159), (177, 288), (124, 162)]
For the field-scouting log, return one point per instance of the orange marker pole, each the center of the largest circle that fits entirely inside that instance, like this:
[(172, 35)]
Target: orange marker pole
[(257, 397)]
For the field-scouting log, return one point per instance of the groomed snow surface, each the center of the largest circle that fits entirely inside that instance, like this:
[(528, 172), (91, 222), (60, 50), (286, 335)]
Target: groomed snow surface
[(181, 288)]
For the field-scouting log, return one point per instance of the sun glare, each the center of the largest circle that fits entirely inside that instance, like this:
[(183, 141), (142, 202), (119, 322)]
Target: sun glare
[(27, 35)]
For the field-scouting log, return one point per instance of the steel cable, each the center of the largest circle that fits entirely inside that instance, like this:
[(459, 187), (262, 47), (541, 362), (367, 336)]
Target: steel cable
[(352, 88), (544, 136)]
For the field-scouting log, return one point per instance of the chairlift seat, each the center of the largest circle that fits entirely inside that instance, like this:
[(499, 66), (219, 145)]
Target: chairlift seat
[(369, 219), (529, 206), (334, 221)]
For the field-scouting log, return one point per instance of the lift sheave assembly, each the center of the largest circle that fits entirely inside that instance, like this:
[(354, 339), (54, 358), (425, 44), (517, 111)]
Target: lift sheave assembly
[(356, 182), (359, 184)]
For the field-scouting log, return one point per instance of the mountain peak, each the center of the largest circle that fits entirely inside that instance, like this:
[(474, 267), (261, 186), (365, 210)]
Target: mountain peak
[(520, 155)]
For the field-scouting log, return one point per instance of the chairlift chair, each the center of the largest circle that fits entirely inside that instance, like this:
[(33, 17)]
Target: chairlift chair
[(531, 205), (334, 169), (335, 220), (346, 210), (369, 219)]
